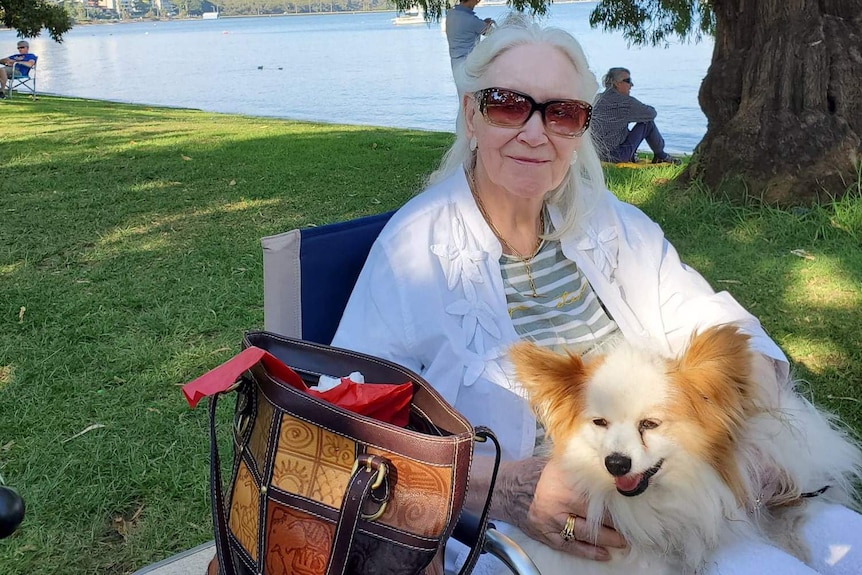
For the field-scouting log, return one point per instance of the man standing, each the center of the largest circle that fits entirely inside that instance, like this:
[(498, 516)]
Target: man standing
[(19, 63), (463, 29), (613, 111)]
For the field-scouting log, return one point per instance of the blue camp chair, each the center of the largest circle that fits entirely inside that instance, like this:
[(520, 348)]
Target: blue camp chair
[(22, 82), (308, 276)]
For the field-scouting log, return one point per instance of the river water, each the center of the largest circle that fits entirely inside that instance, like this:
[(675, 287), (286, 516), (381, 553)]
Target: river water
[(343, 68)]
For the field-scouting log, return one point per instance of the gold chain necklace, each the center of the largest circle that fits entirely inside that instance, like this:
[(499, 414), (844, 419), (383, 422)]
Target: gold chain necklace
[(523, 259)]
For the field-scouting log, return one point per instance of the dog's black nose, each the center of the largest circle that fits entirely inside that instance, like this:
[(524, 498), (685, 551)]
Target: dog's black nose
[(618, 464)]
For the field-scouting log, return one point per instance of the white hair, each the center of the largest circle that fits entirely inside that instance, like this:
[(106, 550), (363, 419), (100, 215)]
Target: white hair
[(584, 182)]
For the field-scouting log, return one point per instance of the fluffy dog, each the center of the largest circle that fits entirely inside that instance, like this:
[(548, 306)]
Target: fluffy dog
[(684, 454)]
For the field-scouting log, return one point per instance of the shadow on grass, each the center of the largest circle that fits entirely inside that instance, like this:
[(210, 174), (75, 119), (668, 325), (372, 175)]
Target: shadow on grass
[(130, 264)]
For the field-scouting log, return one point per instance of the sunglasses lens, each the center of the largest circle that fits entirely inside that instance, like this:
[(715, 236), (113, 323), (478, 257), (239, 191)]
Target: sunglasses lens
[(566, 118), (505, 108), (508, 109)]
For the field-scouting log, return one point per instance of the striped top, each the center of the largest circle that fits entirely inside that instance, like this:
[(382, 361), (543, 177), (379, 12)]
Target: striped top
[(567, 314)]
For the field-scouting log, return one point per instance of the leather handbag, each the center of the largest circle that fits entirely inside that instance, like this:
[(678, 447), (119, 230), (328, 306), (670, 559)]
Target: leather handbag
[(316, 489)]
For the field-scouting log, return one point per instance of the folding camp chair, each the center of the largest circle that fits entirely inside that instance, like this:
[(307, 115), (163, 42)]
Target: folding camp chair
[(308, 276), (23, 83)]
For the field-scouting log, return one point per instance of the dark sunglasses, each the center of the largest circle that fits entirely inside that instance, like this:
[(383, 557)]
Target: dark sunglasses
[(510, 109), (628, 81), (21, 47)]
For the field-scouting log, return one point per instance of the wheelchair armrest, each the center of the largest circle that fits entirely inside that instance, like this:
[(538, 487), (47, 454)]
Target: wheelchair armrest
[(503, 548)]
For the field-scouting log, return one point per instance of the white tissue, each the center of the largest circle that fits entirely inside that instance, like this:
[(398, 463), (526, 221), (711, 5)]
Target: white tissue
[(325, 383)]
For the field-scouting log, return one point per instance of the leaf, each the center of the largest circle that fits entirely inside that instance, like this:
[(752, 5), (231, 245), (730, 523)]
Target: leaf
[(186, 158), (802, 254), (232, 183), (21, 314), (85, 430)]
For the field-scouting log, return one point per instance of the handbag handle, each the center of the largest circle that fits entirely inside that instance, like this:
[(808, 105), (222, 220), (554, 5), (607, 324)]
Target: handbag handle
[(225, 559), (369, 473), (476, 540)]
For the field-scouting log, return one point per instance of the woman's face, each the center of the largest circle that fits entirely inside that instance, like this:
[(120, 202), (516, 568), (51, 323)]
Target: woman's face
[(529, 161)]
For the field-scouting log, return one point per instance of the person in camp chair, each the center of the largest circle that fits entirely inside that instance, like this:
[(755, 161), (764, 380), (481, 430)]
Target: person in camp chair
[(16, 65)]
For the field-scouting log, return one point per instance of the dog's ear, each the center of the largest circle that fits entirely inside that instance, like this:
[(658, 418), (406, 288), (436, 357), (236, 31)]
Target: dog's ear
[(717, 363), (553, 381), (716, 391)]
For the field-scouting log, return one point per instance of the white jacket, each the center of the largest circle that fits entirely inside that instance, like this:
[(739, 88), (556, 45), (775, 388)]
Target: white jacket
[(431, 298)]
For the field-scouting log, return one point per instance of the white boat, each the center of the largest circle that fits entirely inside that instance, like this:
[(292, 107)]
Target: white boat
[(210, 15), (411, 16)]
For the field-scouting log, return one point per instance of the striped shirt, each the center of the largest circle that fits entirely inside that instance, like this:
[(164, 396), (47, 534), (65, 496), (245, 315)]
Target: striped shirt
[(567, 314)]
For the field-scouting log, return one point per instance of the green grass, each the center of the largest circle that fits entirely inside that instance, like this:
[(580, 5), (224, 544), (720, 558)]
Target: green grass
[(131, 264)]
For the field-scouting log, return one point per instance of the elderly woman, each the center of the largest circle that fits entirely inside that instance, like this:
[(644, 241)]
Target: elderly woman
[(517, 237)]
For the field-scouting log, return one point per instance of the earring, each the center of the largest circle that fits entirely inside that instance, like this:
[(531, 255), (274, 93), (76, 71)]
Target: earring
[(473, 144)]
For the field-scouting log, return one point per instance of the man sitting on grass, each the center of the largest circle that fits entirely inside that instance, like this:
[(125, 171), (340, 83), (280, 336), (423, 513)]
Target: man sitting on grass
[(613, 111), (16, 65)]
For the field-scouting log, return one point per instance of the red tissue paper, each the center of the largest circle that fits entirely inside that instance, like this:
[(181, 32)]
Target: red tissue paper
[(384, 402)]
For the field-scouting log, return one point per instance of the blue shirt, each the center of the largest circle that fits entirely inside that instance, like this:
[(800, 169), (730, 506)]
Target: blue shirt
[(463, 29), (20, 69)]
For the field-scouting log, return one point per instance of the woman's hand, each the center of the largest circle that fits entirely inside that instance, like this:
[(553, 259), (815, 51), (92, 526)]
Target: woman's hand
[(532, 495)]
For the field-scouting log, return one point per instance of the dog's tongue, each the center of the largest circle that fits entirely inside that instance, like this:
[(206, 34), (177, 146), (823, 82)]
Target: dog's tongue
[(628, 482)]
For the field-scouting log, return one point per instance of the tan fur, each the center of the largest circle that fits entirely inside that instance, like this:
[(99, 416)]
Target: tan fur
[(715, 392), (555, 384)]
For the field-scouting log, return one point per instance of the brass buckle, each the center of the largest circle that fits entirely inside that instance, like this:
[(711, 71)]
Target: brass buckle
[(381, 472)]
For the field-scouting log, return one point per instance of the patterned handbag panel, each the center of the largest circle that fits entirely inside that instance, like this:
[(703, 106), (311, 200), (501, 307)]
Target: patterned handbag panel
[(296, 543), (259, 438), (420, 499), (244, 510), (312, 462)]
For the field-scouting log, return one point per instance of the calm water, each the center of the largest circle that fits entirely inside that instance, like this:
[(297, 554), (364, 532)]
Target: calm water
[(350, 68)]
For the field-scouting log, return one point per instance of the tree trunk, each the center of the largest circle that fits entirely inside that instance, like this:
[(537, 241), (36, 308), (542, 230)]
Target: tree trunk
[(783, 100)]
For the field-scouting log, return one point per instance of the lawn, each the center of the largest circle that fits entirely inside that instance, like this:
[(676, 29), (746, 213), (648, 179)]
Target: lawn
[(130, 263)]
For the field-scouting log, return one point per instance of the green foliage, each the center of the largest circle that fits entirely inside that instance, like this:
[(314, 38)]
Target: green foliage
[(28, 17), (654, 22), (641, 21), (436, 9)]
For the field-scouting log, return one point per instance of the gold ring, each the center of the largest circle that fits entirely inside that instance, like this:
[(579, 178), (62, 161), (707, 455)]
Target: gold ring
[(568, 532)]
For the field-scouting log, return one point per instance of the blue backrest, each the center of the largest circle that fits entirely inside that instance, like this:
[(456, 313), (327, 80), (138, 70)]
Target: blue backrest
[(310, 273), (331, 258)]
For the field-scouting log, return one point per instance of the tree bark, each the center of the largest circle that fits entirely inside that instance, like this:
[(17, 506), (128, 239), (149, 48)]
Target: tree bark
[(783, 100)]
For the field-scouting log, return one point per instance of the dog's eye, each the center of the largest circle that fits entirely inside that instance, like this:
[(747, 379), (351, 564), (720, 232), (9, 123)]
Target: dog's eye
[(648, 424), (600, 422)]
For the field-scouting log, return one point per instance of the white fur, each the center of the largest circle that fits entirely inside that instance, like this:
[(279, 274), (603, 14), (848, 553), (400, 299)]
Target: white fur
[(688, 512)]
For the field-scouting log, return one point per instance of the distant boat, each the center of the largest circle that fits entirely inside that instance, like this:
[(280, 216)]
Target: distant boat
[(411, 16), (210, 15)]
